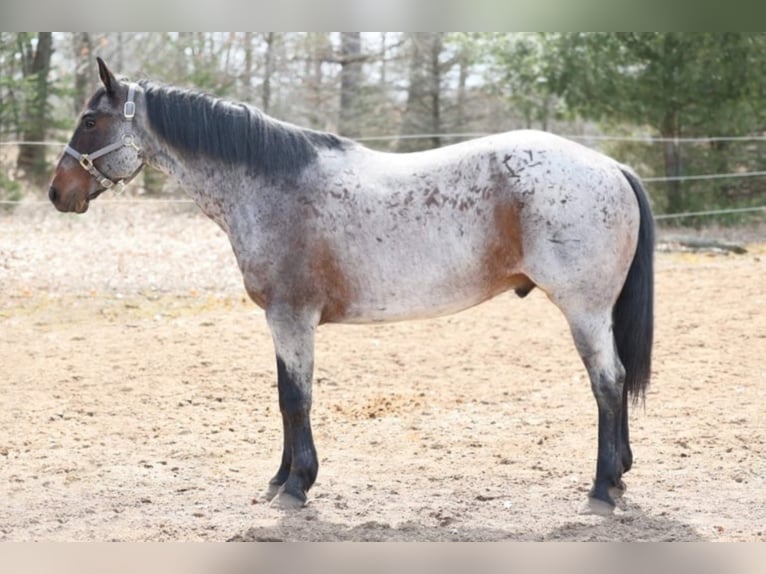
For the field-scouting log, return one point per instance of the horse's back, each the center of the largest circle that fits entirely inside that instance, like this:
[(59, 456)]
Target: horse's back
[(554, 200)]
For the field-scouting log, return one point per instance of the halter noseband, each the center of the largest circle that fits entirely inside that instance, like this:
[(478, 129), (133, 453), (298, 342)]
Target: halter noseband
[(86, 159)]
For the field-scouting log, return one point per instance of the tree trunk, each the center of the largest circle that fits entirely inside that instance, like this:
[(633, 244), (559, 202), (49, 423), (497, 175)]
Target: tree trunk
[(84, 69), (350, 80), (435, 85), (31, 158), (671, 130), (423, 114), (247, 73), (317, 54), (383, 61), (723, 190), (464, 66), (120, 62), (268, 70)]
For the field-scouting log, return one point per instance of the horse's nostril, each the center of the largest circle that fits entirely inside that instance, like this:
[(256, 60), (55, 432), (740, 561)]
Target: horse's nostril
[(53, 195)]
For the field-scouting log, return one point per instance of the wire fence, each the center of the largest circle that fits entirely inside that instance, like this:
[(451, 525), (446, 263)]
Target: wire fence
[(648, 139)]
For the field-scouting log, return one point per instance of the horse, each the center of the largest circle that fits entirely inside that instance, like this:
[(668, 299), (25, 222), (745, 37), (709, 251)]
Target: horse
[(326, 230)]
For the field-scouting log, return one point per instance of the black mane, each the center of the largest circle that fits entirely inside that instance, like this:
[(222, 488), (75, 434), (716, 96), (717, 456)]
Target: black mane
[(236, 133)]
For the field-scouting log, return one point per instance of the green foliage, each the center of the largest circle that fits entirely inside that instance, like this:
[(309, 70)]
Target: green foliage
[(677, 84), (13, 89), (193, 59), (24, 94), (10, 191), (642, 78), (523, 66)]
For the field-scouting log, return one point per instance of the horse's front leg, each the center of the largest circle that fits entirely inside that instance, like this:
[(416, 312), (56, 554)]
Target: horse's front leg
[(293, 334)]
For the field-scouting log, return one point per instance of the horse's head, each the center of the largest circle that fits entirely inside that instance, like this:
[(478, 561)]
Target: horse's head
[(103, 151)]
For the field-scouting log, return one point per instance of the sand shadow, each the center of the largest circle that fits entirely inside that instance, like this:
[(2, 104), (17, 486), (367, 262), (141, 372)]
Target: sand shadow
[(307, 525), (632, 524)]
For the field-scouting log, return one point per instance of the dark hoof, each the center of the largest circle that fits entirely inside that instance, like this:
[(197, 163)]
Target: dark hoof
[(600, 500), (618, 491), (287, 500), (272, 491), (598, 507)]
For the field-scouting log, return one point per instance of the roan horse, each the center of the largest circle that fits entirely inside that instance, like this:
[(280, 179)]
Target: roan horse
[(327, 231)]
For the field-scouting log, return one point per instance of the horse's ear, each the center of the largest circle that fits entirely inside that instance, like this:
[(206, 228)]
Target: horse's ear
[(107, 78)]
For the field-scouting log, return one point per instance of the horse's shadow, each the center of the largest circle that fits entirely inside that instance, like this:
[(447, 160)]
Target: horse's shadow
[(631, 525)]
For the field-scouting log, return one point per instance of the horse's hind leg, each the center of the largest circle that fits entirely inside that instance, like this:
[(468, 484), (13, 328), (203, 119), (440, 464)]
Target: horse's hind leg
[(593, 337), (293, 334)]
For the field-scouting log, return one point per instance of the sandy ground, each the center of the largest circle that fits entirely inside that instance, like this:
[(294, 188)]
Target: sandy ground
[(138, 402)]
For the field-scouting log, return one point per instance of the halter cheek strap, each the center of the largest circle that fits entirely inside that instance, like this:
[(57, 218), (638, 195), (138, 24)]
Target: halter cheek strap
[(86, 159)]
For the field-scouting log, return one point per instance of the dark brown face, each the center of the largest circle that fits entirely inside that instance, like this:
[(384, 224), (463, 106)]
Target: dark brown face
[(102, 123), (72, 187)]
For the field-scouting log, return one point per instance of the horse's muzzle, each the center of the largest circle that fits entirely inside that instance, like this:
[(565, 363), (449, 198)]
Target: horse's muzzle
[(67, 203)]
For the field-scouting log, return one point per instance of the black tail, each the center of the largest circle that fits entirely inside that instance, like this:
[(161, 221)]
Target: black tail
[(633, 314)]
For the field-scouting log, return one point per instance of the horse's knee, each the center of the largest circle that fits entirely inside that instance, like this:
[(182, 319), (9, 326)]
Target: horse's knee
[(294, 392), (605, 370)]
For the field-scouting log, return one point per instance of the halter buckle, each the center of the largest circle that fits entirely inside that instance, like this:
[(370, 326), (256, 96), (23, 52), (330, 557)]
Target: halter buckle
[(129, 110), (85, 162)]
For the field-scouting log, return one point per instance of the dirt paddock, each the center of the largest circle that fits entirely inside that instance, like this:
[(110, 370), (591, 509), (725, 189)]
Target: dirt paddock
[(139, 402)]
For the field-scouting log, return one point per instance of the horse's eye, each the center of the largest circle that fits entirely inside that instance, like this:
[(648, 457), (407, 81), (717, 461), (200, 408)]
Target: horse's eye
[(89, 123)]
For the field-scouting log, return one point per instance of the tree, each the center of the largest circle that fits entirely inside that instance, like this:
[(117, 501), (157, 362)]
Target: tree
[(84, 71), (11, 88), (350, 82), (522, 65), (680, 84), (423, 111), (268, 70), (36, 61)]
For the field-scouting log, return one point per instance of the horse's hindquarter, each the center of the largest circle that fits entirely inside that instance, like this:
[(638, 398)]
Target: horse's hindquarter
[(579, 219)]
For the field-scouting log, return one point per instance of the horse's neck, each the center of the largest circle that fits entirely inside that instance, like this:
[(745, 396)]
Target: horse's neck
[(202, 181), (158, 155), (168, 164)]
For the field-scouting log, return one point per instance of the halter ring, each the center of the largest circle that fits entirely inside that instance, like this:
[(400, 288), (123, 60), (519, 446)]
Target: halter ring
[(129, 141)]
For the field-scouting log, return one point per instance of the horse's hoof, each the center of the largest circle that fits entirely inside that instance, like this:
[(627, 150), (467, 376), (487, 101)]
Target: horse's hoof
[(598, 507), (287, 501), (618, 490), (271, 491)]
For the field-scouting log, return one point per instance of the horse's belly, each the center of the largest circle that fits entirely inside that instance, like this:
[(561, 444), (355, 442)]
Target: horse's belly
[(403, 307), (420, 287), (428, 265)]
